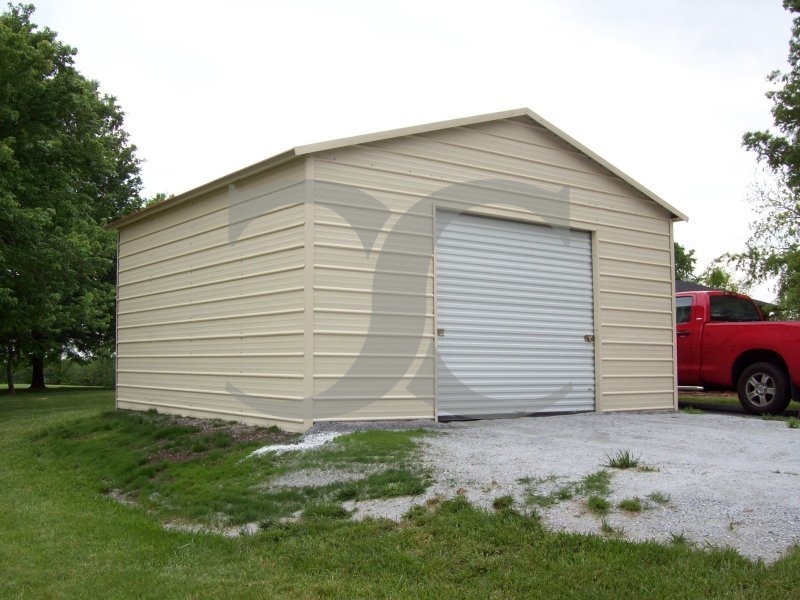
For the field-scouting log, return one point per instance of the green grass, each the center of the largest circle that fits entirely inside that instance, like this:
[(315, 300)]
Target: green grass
[(194, 469), (597, 484), (540, 500), (722, 399), (680, 539), (503, 502), (659, 498), (564, 493), (625, 459), (710, 398), (598, 504), (791, 422), (633, 505), (609, 530), (622, 459), (63, 538)]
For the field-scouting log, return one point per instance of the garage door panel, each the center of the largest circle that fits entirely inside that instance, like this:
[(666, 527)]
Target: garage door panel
[(515, 303)]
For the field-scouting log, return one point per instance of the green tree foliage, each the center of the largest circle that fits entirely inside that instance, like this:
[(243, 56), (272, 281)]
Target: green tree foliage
[(684, 263), (157, 199), (66, 167), (718, 278), (773, 249)]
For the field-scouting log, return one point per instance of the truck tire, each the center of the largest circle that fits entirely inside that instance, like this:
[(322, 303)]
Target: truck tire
[(763, 389)]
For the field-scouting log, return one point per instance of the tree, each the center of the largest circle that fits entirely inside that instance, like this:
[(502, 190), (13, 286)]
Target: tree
[(773, 249), (718, 278), (684, 263), (157, 199), (66, 167)]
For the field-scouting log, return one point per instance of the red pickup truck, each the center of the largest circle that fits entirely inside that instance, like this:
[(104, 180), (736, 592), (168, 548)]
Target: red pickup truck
[(724, 343)]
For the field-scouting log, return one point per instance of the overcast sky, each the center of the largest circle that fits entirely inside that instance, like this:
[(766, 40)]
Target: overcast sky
[(663, 90)]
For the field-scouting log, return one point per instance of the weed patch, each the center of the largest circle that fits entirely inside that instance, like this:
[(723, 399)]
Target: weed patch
[(326, 511), (659, 498), (625, 459), (791, 422), (597, 483), (391, 483), (634, 505), (609, 530), (680, 539), (503, 503), (564, 493), (598, 504), (622, 459)]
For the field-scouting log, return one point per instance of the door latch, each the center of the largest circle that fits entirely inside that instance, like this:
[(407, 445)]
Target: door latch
[(589, 339), (440, 332)]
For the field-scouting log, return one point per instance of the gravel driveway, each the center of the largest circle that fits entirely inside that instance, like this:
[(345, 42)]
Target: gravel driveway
[(731, 481)]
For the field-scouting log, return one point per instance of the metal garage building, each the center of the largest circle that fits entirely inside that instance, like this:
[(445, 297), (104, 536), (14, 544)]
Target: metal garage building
[(485, 266)]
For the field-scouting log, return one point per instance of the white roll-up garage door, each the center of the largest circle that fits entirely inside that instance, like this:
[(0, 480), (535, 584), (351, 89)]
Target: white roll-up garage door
[(514, 318)]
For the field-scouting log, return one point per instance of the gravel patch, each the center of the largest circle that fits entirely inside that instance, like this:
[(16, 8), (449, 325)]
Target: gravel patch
[(308, 442), (232, 531), (731, 481), (319, 477)]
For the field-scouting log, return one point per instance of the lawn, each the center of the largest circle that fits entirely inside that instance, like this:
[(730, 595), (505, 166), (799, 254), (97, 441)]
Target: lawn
[(723, 401), (62, 535)]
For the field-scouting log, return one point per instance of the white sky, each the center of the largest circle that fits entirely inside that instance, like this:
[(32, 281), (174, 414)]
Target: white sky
[(663, 90)]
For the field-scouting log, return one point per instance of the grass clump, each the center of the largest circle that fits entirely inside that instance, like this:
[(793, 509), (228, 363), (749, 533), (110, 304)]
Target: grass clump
[(326, 511), (564, 493), (597, 483), (391, 483), (534, 497), (634, 504), (791, 422), (679, 539), (540, 500), (659, 498), (625, 459), (609, 530), (622, 459), (503, 502), (598, 504)]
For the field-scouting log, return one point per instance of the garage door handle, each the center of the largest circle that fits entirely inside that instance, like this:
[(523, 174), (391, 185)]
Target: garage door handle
[(589, 339), (440, 332)]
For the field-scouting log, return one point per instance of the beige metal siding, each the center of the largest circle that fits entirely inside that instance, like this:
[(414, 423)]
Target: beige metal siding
[(633, 320), (343, 312), (211, 304), (261, 302)]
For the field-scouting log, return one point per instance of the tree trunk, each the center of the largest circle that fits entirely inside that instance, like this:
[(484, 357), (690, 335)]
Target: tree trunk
[(10, 369), (37, 373)]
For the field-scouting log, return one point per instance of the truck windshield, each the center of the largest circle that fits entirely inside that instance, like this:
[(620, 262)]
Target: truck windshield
[(733, 308)]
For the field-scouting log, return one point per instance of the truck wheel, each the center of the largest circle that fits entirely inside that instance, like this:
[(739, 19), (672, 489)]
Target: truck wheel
[(763, 389)]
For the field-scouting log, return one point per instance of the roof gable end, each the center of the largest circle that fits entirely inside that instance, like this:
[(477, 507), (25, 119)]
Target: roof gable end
[(310, 149)]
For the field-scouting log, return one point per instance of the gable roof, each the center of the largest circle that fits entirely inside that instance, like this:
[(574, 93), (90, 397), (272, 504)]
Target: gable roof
[(300, 151)]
